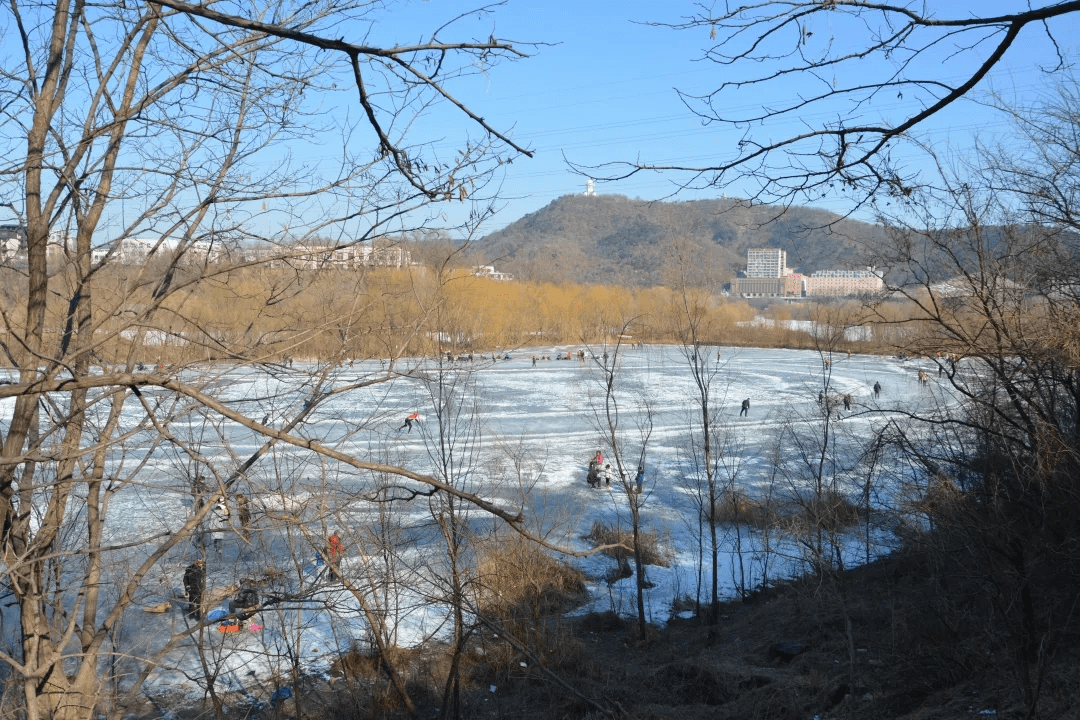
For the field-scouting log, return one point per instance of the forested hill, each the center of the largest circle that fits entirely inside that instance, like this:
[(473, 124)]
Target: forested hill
[(613, 239)]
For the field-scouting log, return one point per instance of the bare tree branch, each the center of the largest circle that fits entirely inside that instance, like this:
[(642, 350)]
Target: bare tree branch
[(888, 47)]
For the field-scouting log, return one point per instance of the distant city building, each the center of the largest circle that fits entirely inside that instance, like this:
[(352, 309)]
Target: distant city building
[(788, 286), (320, 257), (489, 272), (133, 251), (767, 275), (60, 244), (304, 256), (12, 241), (127, 251), (843, 282), (766, 263), (13, 232)]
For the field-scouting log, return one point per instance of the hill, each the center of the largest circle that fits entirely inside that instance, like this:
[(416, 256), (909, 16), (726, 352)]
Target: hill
[(613, 239)]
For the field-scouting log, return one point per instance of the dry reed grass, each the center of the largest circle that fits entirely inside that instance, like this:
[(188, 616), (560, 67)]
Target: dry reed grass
[(739, 508), (654, 547), (829, 511), (518, 578), (522, 593)]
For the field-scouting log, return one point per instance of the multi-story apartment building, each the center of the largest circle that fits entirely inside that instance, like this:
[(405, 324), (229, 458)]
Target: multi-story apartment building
[(767, 275), (320, 257), (766, 263), (843, 282)]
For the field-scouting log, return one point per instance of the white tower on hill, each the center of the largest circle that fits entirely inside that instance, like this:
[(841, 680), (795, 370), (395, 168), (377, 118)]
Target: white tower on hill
[(590, 188)]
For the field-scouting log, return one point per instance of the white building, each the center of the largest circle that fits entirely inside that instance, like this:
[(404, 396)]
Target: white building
[(489, 272), (766, 263), (320, 257), (12, 241), (130, 251)]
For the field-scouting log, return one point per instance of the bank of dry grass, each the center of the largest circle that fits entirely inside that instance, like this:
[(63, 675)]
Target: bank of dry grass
[(920, 652)]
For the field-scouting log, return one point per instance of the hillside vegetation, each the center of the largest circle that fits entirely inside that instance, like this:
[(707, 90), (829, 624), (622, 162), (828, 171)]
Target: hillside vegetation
[(613, 239)]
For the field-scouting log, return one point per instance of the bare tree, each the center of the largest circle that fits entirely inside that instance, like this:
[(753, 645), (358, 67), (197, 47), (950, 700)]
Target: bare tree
[(989, 269), (175, 122), (847, 57), (453, 439), (690, 316), (624, 419)]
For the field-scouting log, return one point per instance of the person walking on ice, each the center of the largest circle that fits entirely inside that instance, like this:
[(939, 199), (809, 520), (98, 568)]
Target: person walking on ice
[(414, 417), (745, 408), (877, 389)]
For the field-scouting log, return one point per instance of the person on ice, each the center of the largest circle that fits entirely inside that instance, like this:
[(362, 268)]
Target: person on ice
[(243, 511), (414, 417), (877, 389), (639, 480), (194, 585), (745, 408), (334, 551), (593, 477), (222, 522), (245, 602)]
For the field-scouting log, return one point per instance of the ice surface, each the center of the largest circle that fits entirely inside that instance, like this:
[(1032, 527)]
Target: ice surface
[(521, 437)]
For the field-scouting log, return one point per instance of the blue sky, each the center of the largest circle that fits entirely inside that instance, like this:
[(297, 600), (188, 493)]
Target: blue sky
[(605, 90), (601, 88)]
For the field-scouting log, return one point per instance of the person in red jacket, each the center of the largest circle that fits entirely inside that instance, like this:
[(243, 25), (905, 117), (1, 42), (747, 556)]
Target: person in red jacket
[(334, 552)]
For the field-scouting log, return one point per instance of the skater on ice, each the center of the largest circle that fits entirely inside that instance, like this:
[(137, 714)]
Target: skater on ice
[(243, 511), (593, 477), (414, 417)]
